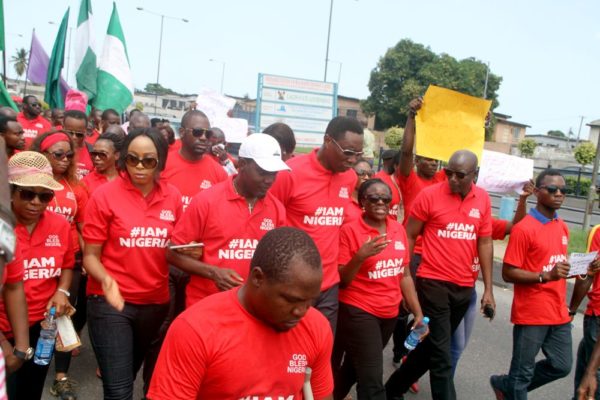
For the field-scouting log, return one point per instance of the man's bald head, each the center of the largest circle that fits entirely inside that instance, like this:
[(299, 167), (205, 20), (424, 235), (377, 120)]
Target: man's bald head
[(464, 158), (116, 129), (138, 120), (461, 171), (8, 112), (218, 136)]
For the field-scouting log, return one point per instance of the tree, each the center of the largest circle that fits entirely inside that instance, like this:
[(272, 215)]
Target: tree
[(527, 147), (157, 88), (556, 133), (20, 60), (407, 69), (393, 137), (585, 153)]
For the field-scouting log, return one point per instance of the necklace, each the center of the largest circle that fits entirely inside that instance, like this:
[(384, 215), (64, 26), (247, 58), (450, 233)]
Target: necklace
[(250, 203)]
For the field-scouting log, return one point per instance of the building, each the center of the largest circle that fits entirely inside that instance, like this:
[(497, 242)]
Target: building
[(508, 132), (594, 131), (559, 143)]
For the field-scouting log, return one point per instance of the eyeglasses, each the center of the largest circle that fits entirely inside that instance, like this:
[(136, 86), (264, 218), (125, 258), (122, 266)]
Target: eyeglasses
[(373, 199), (102, 156), (35, 105), (459, 175), (29, 195), (363, 172), (553, 189), (60, 155), (346, 152), (147, 162), (199, 132), (75, 133)]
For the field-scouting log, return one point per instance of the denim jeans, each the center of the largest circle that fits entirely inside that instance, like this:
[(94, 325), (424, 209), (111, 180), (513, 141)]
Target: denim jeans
[(121, 341), (525, 373), (584, 351), (461, 335)]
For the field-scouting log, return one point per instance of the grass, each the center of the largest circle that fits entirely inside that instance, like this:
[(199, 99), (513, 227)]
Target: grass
[(577, 240)]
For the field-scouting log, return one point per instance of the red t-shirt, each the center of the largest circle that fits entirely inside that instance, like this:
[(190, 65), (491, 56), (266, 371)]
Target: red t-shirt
[(410, 187), (219, 218), (352, 213), (134, 232), (44, 254), (175, 146), (200, 357), (498, 228), (376, 287), (593, 306), (33, 127), (315, 200), (537, 247), (84, 162), (452, 227), (191, 177), (391, 181), (91, 139), (70, 202), (93, 181)]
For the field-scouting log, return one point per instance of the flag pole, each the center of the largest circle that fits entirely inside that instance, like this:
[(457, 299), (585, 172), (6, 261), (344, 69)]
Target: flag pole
[(28, 62)]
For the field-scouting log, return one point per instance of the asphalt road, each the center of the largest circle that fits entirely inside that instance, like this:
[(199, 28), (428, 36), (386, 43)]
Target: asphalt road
[(488, 353)]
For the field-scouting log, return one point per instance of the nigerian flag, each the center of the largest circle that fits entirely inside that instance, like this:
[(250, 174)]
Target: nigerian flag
[(114, 86), (86, 69)]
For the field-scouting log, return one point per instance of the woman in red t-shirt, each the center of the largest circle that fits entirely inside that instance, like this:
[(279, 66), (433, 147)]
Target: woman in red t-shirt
[(105, 154), (44, 240), (363, 171), (373, 280), (125, 257)]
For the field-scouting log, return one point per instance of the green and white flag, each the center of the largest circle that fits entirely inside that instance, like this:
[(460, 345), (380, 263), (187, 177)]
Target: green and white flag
[(115, 83), (86, 70)]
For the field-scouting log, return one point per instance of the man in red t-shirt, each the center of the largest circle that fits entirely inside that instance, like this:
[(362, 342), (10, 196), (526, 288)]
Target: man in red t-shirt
[(75, 125), (31, 119), (455, 221), (391, 159), (58, 115), (316, 193), (12, 132), (536, 263), (256, 341)]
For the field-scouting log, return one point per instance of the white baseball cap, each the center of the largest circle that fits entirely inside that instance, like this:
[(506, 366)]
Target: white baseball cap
[(264, 150)]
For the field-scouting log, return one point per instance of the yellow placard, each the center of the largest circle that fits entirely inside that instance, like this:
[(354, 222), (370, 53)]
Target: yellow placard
[(450, 121)]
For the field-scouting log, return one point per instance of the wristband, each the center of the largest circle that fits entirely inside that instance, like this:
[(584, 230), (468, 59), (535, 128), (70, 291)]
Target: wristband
[(541, 277), (572, 313), (64, 291)]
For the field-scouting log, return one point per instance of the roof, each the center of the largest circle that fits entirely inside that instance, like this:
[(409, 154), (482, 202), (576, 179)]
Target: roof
[(595, 122), (505, 119)]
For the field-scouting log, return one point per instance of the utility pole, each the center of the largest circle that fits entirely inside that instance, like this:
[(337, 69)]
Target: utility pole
[(589, 203), (579, 131), (487, 75), (328, 36)]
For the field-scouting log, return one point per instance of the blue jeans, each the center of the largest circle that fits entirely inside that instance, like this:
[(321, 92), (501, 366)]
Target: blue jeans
[(461, 335), (121, 341), (525, 374), (584, 351)]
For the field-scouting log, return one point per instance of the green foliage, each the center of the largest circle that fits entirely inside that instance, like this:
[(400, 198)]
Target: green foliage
[(582, 190), (393, 137), (585, 153), (527, 147), (490, 127), (577, 240), (19, 61), (556, 133), (407, 69), (158, 89)]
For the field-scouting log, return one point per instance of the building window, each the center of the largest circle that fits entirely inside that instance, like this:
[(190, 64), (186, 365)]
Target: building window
[(351, 113), (516, 132)]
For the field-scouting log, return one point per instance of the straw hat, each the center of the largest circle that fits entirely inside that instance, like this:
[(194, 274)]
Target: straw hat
[(31, 169)]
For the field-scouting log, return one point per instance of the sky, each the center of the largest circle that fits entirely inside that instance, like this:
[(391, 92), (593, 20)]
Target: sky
[(546, 51)]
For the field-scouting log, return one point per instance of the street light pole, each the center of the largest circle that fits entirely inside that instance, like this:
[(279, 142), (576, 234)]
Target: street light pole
[(222, 72), (328, 37)]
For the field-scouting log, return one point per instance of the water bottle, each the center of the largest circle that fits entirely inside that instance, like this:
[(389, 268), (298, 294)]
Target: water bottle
[(45, 344), (416, 333)]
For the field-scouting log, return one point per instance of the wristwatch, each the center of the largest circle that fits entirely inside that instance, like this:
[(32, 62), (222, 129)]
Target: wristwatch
[(7, 241), (23, 355)]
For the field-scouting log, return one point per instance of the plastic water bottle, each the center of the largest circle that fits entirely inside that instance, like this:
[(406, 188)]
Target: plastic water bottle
[(45, 344), (414, 338)]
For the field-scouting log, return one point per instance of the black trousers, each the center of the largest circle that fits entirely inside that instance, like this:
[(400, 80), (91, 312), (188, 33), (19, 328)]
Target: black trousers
[(403, 326), (445, 304), (27, 383), (362, 336)]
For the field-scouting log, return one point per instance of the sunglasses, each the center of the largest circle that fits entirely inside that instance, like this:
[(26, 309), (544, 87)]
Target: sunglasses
[(376, 199), (346, 152), (61, 155), (29, 195), (199, 132), (102, 156), (362, 172), (459, 174), (553, 188), (75, 133), (147, 162)]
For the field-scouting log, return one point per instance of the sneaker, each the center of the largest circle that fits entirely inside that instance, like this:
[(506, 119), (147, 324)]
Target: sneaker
[(494, 384), (64, 389), (396, 362), (414, 387)]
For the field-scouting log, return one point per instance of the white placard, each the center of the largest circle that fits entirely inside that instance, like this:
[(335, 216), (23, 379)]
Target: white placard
[(67, 333), (502, 173), (235, 129), (580, 262), (213, 104)]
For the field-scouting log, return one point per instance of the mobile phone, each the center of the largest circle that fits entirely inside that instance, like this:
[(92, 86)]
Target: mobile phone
[(489, 312), (185, 246)]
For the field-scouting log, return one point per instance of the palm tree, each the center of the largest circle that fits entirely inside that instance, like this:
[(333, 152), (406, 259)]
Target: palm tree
[(20, 61)]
